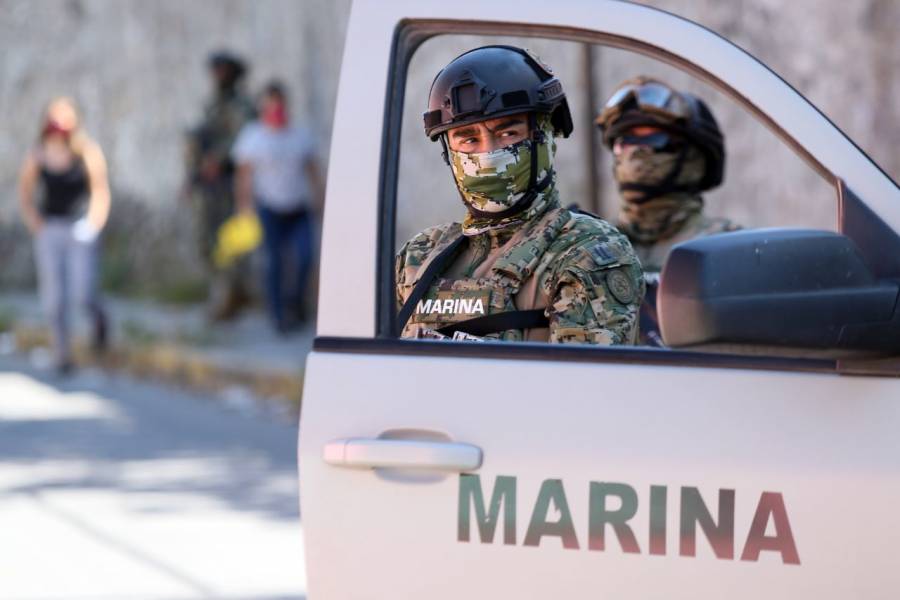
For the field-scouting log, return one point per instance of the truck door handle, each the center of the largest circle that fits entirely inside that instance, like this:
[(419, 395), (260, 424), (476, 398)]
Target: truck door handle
[(398, 454)]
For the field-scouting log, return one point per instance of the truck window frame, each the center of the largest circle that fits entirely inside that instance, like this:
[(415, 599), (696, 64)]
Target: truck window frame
[(408, 37)]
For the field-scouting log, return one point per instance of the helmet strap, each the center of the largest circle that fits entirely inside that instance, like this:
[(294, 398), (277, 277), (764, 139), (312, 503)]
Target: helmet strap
[(445, 154)]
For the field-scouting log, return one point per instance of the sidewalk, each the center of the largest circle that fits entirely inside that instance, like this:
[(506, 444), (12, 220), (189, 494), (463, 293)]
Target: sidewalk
[(242, 359)]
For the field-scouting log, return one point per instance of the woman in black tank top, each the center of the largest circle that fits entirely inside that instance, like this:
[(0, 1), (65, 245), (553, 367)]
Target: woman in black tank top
[(64, 192), (67, 171)]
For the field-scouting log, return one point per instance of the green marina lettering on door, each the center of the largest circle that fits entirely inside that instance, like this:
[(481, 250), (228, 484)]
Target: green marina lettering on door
[(551, 517)]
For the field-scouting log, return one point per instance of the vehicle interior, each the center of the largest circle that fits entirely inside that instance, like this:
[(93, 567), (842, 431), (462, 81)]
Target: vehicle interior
[(812, 275)]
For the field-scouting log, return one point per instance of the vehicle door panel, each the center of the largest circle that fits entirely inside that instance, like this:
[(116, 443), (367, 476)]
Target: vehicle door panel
[(827, 444)]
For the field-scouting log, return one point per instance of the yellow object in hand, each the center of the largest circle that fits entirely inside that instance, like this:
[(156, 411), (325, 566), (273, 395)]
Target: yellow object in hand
[(237, 236)]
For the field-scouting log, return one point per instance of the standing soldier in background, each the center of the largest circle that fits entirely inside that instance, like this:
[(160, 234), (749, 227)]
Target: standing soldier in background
[(210, 173), (667, 149)]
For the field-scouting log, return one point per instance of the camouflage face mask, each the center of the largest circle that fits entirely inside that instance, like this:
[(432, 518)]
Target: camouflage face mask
[(493, 182), (642, 166), (648, 218)]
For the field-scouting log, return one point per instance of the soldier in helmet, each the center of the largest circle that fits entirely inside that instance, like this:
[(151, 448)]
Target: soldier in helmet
[(519, 266), (210, 174), (667, 149)]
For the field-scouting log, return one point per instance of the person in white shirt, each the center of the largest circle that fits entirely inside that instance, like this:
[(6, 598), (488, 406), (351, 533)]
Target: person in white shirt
[(277, 171)]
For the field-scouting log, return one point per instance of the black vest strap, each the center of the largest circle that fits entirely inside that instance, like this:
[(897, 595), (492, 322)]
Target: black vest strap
[(480, 326), (649, 320), (435, 268), (512, 319)]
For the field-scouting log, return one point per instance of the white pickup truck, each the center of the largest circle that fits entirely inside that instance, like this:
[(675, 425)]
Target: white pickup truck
[(758, 456)]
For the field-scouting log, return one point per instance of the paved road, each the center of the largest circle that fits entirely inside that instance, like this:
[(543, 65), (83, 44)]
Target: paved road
[(112, 488)]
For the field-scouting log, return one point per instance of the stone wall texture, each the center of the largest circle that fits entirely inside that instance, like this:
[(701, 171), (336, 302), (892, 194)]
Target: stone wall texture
[(137, 68)]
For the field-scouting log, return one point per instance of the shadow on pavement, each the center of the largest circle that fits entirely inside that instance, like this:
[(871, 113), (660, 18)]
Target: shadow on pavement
[(94, 431)]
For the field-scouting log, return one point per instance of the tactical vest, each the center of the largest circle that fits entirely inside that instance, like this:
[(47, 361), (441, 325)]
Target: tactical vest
[(480, 306)]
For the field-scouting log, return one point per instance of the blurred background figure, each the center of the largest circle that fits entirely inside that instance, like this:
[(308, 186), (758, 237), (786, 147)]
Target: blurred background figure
[(667, 149), (66, 170), (210, 178), (278, 172)]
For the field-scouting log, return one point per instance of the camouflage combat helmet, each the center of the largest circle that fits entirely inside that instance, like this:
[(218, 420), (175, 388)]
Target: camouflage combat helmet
[(647, 101), (494, 81)]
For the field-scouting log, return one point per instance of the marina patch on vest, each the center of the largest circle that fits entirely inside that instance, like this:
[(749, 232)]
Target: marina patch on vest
[(452, 306)]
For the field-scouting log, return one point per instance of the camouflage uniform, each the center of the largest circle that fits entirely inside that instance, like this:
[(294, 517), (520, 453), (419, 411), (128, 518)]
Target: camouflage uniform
[(223, 118), (521, 260), (653, 256), (577, 267), (668, 148), (656, 225)]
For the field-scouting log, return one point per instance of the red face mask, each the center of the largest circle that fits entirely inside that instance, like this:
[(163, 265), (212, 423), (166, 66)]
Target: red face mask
[(51, 127), (275, 115)]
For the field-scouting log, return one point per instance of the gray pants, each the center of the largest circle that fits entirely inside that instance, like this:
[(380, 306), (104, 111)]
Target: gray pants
[(67, 274)]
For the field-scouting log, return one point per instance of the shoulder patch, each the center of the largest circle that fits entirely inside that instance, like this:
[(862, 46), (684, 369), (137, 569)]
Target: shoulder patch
[(601, 254), (621, 286), (588, 244)]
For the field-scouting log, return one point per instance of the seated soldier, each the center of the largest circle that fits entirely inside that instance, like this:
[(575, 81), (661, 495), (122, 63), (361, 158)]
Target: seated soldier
[(667, 149), (519, 266)]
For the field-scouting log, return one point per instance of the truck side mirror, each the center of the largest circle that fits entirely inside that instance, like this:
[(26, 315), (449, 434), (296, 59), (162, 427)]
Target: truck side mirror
[(788, 287)]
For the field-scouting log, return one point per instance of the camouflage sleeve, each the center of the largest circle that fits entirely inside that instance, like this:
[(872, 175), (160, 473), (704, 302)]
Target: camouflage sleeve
[(231, 120), (597, 307), (413, 254), (400, 274), (596, 290)]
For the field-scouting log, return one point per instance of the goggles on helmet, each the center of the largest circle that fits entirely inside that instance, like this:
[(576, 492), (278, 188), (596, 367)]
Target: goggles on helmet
[(651, 97)]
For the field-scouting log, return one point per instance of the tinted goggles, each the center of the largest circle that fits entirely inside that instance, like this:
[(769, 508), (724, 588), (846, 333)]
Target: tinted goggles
[(651, 96), (660, 141)]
